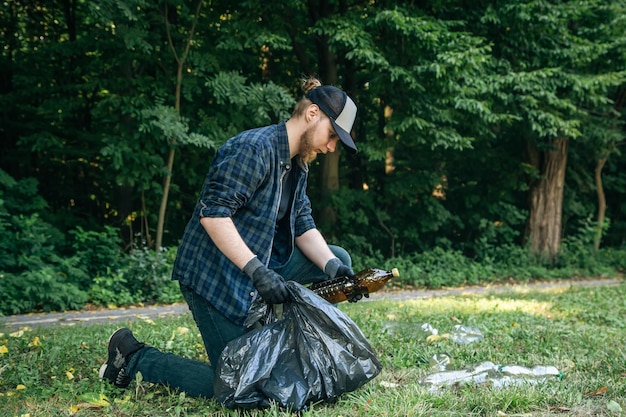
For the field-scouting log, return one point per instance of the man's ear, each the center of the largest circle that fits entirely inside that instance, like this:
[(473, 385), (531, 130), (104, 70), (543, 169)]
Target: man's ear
[(312, 112)]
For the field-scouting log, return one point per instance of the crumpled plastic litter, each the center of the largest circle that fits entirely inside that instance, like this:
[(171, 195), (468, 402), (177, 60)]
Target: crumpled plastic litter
[(498, 376), (465, 334), (459, 333), (315, 352)]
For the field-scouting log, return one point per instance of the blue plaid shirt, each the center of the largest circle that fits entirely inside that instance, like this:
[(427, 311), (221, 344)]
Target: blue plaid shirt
[(243, 183)]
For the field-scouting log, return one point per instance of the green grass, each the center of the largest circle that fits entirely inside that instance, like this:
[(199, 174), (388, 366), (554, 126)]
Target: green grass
[(581, 331)]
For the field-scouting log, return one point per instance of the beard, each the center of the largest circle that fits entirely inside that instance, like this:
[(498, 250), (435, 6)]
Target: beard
[(307, 151)]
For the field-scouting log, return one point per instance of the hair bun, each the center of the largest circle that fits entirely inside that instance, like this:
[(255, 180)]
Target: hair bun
[(310, 83)]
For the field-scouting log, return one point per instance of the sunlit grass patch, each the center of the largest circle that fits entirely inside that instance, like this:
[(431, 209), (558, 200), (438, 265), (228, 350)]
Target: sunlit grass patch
[(473, 305)]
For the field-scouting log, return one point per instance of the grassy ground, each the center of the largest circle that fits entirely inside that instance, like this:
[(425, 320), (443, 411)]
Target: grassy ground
[(581, 331)]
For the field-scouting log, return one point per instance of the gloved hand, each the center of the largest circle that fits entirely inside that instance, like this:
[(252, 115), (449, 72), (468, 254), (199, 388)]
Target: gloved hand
[(335, 268), (269, 284), (357, 297)]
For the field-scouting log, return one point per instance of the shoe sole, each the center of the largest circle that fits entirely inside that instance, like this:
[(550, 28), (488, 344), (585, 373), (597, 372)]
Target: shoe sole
[(105, 365)]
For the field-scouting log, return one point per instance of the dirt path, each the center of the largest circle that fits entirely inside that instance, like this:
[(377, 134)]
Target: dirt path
[(123, 314)]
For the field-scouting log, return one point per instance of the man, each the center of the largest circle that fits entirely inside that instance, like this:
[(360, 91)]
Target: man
[(251, 230)]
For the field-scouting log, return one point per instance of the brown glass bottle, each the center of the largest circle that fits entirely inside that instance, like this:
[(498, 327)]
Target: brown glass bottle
[(364, 283)]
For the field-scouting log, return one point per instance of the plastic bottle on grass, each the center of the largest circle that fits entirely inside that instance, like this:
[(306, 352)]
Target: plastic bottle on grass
[(428, 330), (465, 334), (487, 372), (422, 332), (518, 375), (477, 374), (439, 362)]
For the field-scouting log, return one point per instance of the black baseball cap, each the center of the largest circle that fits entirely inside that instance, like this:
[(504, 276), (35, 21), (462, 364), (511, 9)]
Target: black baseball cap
[(339, 108)]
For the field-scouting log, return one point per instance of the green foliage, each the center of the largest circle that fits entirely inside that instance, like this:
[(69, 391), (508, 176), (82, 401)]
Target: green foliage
[(457, 106), (577, 252), (99, 252), (141, 276), (148, 276), (440, 268), (37, 272), (164, 122), (33, 276), (111, 289), (448, 268), (241, 105), (42, 289)]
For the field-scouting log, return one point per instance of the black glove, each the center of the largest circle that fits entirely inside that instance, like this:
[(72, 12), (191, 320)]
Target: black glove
[(335, 268), (269, 284), (357, 297)]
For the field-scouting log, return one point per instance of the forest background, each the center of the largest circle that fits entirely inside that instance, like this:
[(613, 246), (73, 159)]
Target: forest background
[(490, 135)]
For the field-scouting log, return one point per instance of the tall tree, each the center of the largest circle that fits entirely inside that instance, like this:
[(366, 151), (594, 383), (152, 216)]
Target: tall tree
[(543, 52), (181, 59), (416, 79)]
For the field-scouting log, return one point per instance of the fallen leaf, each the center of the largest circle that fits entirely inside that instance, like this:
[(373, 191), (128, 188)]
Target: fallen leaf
[(122, 400), (35, 342), (433, 338), (3, 350), (182, 330), (599, 391), (98, 400)]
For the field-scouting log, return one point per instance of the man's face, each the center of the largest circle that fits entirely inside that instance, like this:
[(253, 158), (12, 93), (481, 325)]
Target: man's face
[(320, 137)]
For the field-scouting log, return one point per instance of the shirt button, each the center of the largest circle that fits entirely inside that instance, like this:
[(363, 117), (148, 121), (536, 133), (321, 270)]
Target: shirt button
[(251, 293)]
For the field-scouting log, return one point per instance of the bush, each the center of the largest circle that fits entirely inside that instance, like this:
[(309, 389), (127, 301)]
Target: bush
[(445, 268), (111, 289), (614, 258), (33, 277), (99, 252), (437, 268), (44, 289), (144, 277)]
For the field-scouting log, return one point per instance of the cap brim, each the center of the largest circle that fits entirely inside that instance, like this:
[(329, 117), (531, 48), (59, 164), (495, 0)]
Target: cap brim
[(345, 137)]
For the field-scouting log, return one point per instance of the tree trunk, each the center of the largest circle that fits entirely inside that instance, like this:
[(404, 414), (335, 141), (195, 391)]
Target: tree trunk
[(180, 60), (330, 161), (597, 176), (330, 184), (546, 199), (167, 181)]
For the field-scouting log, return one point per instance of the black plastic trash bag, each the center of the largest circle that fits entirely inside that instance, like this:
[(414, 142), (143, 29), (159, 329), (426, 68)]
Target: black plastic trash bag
[(314, 352)]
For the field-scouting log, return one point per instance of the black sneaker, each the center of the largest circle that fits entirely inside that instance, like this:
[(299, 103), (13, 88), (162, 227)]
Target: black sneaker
[(122, 346)]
